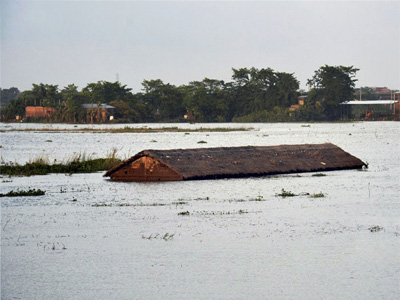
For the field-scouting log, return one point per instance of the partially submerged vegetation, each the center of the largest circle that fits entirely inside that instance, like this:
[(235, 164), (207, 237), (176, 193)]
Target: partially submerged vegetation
[(128, 204), (166, 237), (78, 164), (285, 193), (318, 195), (375, 228), (128, 129), (18, 192)]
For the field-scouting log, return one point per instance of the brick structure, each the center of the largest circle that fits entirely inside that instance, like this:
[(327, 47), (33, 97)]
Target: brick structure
[(39, 112)]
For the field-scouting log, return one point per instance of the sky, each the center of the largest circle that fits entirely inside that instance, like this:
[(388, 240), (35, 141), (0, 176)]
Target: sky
[(80, 42)]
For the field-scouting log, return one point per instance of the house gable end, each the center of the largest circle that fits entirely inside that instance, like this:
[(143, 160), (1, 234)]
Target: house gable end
[(145, 168)]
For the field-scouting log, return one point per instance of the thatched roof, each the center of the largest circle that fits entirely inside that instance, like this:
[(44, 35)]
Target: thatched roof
[(225, 162)]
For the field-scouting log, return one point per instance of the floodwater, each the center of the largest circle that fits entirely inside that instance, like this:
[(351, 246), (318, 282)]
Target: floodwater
[(90, 238)]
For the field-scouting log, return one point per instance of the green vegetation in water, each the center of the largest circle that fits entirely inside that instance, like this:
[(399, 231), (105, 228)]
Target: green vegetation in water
[(220, 213), (203, 198), (179, 203), (375, 228), (201, 142), (30, 192), (166, 237), (183, 213), (258, 198), (319, 195), (318, 175), (128, 129), (79, 164), (128, 204), (285, 193)]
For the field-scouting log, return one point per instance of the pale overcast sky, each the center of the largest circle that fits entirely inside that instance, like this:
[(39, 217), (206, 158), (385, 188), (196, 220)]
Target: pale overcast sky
[(64, 42)]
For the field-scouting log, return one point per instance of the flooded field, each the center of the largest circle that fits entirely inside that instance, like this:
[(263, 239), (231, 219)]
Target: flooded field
[(90, 238)]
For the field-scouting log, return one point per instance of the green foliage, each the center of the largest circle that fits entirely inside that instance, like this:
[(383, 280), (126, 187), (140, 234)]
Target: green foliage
[(319, 195), (253, 95), (18, 192), (6, 95), (285, 193), (105, 92), (184, 213), (41, 167), (332, 85), (318, 175)]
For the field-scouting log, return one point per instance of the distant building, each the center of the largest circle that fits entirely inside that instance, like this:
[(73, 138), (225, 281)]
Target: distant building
[(98, 112), (39, 111), (302, 99), (300, 102), (369, 110)]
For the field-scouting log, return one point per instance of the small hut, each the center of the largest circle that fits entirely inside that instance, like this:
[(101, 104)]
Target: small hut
[(232, 162)]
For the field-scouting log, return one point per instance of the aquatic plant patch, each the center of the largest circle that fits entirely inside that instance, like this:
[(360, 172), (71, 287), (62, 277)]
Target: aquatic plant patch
[(128, 204), (285, 193), (18, 193), (318, 195), (43, 168), (215, 213), (318, 175), (156, 236), (375, 228), (128, 129)]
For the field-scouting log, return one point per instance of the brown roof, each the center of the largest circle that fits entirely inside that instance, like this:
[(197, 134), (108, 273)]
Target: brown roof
[(224, 162)]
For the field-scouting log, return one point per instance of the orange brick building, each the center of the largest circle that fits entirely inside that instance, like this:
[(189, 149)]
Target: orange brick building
[(38, 112)]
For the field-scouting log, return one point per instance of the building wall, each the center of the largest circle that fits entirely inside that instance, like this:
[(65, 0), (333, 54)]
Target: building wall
[(97, 115), (397, 111), (372, 112), (145, 169), (38, 112)]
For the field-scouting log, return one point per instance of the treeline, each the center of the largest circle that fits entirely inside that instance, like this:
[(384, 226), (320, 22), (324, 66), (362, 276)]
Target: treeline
[(253, 95)]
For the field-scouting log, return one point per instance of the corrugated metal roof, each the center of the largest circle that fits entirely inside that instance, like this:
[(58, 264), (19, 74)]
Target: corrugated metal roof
[(369, 102), (225, 162), (94, 105)]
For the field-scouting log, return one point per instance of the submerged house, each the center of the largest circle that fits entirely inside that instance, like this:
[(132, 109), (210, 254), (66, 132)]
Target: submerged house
[(232, 162)]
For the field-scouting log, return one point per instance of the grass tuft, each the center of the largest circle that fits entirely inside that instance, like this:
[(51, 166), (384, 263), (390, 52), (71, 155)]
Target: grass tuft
[(184, 213), (375, 228), (319, 195), (285, 193), (318, 175), (79, 163), (30, 192), (128, 129)]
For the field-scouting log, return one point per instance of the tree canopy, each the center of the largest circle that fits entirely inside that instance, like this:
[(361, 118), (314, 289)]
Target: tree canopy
[(254, 94), (332, 85)]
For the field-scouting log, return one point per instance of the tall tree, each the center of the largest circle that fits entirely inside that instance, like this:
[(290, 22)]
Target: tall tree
[(333, 85), (7, 95), (105, 92), (73, 102)]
